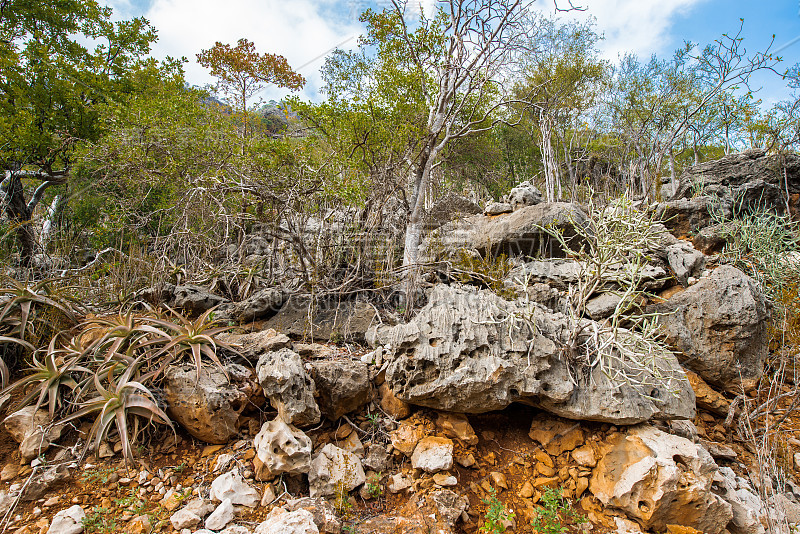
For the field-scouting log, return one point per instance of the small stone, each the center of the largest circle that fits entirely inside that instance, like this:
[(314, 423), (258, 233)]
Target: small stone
[(544, 481), (584, 456), (10, 472), (343, 431), (499, 479), (268, 495), (581, 485), (445, 479), (210, 449), (526, 492), (398, 482), (797, 461), (69, 521), (105, 450), (406, 437), (52, 501), (545, 471), (466, 460), (433, 454)]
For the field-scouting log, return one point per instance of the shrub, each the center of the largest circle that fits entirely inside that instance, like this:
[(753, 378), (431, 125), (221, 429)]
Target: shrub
[(496, 515)]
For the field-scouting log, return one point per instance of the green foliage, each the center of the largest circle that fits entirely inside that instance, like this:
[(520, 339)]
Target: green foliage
[(496, 515), (97, 475), (555, 509), (100, 520), (373, 486)]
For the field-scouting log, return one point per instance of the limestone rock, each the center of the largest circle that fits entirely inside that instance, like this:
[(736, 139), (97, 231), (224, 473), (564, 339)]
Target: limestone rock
[(719, 327), (279, 521), (391, 404), (745, 503), (220, 517), (282, 448), (470, 351), (232, 486), (287, 386), (209, 408), (685, 261), (433, 454), (261, 304), (46, 479), (525, 194), (323, 321), (31, 428), (343, 386), (515, 234), (556, 436), (69, 521), (324, 514), (660, 479), (560, 273), (498, 208), (333, 469), (192, 514), (436, 512), (708, 398), (405, 438), (192, 299)]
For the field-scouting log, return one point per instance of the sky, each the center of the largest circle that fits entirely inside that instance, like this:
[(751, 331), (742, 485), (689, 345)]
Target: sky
[(305, 31)]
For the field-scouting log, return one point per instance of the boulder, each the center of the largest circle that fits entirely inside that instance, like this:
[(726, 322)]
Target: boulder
[(525, 194), (470, 351), (192, 299), (232, 486), (69, 521), (659, 479), (448, 208), (342, 386), (562, 274), (324, 513), (254, 344), (209, 408), (191, 515), (323, 321), (261, 304), (282, 448), (279, 521), (32, 429), (334, 469), (288, 387), (520, 233), (719, 327)]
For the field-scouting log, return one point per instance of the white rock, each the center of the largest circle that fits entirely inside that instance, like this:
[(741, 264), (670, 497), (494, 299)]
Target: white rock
[(236, 529), (282, 448), (220, 517), (399, 482), (279, 521), (433, 454), (192, 514), (232, 486), (223, 461), (69, 521), (334, 469)]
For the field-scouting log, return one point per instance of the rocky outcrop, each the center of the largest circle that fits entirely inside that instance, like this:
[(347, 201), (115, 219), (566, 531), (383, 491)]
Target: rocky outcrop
[(323, 321), (470, 351), (659, 479), (209, 408), (719, 328), (342, 386), (521, 233), (281, 448), (259, 305), (562, 273), (279, 521), (288, 387), (191, 299), (523, 195)]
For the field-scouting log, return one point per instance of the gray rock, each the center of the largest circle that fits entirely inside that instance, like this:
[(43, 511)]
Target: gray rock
[(342, 386), (69, 521), (746, 505), (561, 274), (323, 321), (433, 454), (719, 328), (448, 208), (32, 429), (324, 513), (498, 208), (525, 194), (232, 486), (44, 480), (279, 521), (263, 303), (517, 234), (334, 469), (685, 261), (288, 387), (209, 408), (603, 305), (220, 517), (470, 351), (191, 299)]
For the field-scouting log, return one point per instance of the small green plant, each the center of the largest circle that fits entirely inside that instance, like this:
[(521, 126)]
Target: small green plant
[(100, 520), (131, 502), (496, 515), (489, 271), (374, 485), (97, 474), (555, 509)]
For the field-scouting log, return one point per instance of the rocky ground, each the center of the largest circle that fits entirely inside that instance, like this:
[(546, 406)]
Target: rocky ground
[(469, 417)]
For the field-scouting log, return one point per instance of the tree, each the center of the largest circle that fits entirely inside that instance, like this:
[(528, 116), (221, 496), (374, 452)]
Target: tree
[(51, 90), (243, 72)]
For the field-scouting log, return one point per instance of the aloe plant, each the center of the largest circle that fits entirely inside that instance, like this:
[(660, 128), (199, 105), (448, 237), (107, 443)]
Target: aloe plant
[(48, 378), (18, 313), (124, 401)]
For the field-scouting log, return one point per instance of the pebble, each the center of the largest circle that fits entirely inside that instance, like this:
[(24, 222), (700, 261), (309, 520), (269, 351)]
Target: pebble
[(526, 492), (499, 479)]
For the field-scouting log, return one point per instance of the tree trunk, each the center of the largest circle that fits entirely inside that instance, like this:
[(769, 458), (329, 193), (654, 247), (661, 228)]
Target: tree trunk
[(19, 214)]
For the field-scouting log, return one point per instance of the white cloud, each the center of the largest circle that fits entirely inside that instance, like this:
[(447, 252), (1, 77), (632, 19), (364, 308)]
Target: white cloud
[(301, 30), (640, 26)]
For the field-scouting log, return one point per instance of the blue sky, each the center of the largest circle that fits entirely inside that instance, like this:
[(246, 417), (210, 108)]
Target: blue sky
[(305, 30)]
